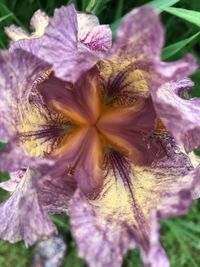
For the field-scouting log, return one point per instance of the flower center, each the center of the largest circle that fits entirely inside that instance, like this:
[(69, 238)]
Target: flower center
[(93, 118)]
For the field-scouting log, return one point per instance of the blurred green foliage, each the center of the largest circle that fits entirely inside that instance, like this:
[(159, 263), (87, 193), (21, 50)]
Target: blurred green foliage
[(180, 236)]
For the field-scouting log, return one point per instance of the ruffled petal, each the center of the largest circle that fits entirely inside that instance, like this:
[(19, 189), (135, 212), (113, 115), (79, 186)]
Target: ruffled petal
[(139, 35), (29, 42), (38, 23), (15, 178), (22, 217), (181, 116), (96, 37), (119, 216), (61, 47), (16, 33), (169, 71)]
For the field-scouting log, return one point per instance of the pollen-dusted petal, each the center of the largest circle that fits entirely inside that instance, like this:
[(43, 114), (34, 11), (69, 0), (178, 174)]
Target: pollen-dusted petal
[(120, 214), (126, 80), (101, 242), (139, 35), (22, 217), (61, 48), (80, 154), (181, 116), (90, 33), (18, 71), (25, 118)]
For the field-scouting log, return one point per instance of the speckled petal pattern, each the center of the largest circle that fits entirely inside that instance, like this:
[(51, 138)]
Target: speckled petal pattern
[(181, 116)]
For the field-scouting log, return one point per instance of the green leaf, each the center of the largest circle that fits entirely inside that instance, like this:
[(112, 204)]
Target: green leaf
[(5, 17), (96, 7), (7, 11), (188, 15), (174, 48), (160, 4)]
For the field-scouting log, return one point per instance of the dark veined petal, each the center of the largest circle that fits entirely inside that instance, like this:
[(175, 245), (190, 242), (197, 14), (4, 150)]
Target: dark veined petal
[(53, 191), (125, 81), (60, 46), (100, 242), (119, 217), (22, 216), (18, 71), (181, 116), (139, 35), (25, 119), (96, 37)]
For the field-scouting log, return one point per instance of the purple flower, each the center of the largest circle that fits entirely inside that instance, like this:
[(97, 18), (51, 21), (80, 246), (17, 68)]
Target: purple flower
[(98, 132)]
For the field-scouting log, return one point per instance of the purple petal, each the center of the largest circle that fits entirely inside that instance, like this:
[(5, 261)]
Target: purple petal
[(13, 158), (155, 256), (25, 119), (100, 241), (29, 42), (176, 70), (55, 192), (96, 37), (180, 116), (119, 217), (62, 48), (22, 217), (18, 71), (140, 34)]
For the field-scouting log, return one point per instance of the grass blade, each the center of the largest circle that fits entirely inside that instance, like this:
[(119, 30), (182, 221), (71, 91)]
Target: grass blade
[(174, 48), (7, 11), (188, 15), (5, 17), (160, 4)]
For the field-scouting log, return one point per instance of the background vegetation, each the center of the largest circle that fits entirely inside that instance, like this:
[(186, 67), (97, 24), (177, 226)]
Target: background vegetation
[(180, 236)]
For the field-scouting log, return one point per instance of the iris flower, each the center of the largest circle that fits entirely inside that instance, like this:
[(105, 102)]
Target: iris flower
[(100, 131)]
